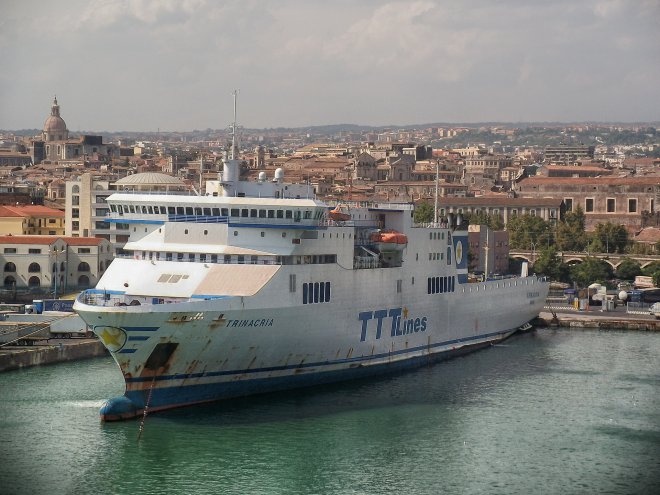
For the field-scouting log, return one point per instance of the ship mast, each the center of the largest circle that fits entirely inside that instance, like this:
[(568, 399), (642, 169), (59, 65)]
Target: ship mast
[(233, 128)]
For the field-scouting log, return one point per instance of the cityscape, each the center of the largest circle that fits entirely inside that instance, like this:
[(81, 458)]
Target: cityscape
[(55, 183), (303, 247)]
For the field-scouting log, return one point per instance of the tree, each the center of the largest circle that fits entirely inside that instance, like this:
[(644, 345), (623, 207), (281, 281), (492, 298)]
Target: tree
[(423, 212), (651, 268), (611, 238), (551, 265), (493, 222), (529, 232), (628, 269), (570, 232), (591, 270)]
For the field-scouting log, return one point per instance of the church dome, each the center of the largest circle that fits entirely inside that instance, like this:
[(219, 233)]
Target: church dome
[(54, 123)]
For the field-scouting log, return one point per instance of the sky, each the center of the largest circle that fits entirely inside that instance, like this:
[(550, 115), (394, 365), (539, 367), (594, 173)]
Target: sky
[(171, 65)]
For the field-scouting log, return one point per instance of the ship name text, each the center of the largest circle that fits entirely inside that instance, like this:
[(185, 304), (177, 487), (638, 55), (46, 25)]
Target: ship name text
[(400, 324)]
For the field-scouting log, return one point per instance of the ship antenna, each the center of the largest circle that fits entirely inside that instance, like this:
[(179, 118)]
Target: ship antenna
[(233, 128), (435, 208)]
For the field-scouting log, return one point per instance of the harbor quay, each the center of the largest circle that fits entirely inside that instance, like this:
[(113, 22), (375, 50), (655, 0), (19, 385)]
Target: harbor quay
[(49, 351), (595, 317)]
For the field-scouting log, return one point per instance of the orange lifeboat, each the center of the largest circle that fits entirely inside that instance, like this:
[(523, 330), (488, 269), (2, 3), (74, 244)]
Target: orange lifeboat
[(388, 240), (338, 215)]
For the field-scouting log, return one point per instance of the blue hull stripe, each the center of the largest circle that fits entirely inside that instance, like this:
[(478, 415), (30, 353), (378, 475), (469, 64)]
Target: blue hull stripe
[(141, 329), (138, 337), (175, 396), (127, 351), (184, 376)]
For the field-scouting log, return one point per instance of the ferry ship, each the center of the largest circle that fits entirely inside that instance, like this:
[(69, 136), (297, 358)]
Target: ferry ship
[(256, 287)]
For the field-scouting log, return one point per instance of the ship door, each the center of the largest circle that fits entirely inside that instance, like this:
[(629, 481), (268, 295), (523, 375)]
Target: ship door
[(381, 221)]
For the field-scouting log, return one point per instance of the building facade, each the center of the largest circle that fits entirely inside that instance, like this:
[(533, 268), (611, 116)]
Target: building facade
[(621, 200), (52, 263)]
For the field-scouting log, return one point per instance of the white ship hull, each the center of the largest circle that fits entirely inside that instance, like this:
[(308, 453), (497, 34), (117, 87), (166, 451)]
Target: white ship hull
[(237, 346)]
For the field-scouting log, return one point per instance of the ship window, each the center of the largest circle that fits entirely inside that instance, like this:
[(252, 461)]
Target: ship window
[(399, 286), (280, 214), (304, 293), (241, 259), (168, 256), (207, 211), (284, 234), (206, 232), (245, 212), (202, 258), (449, 255), (262, 233), (292, 282), (235, 233), (185, 231), (198, 210), (234, 212), (215, 212), (308, 214), (131, 208), (144, 209), (150, 210), (227, 258), (412, 282), (180, 210), (113, 208), (191, 256), (262, 213), (189, 210), (214, 258), (179, 256), (288, 214), (171, 210), (254, 259), (271, 213), (225, 212), (164, 278)]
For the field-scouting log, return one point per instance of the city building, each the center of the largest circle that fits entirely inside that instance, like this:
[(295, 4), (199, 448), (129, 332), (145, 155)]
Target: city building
[(489, 250), (505, 207), (567, 154), (56, 144), (621, 200), (31, 220), (52, 263)]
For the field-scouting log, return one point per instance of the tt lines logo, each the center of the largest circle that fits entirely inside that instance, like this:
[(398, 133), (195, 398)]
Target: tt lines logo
[(398, 324)]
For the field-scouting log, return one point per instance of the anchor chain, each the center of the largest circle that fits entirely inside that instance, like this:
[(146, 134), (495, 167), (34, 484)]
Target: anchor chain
[(146, 407)]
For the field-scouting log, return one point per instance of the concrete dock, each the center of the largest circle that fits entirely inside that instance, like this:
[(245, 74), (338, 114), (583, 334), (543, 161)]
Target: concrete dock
[(595, 318), (50, 351)]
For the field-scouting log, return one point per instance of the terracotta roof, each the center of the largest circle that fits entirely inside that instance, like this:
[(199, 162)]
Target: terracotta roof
[(30, 211), (49, 239), (648, 234), (500, 201), (28, 239), (614, 181)]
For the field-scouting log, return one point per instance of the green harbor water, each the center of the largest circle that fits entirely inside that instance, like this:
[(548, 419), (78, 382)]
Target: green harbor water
[(552, 411)]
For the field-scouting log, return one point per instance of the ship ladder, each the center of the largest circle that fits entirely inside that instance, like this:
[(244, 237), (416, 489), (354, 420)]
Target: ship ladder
[(146, 408)]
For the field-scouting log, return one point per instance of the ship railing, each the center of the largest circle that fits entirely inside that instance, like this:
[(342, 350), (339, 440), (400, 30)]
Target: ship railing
[(365, 262), (430, 225)]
